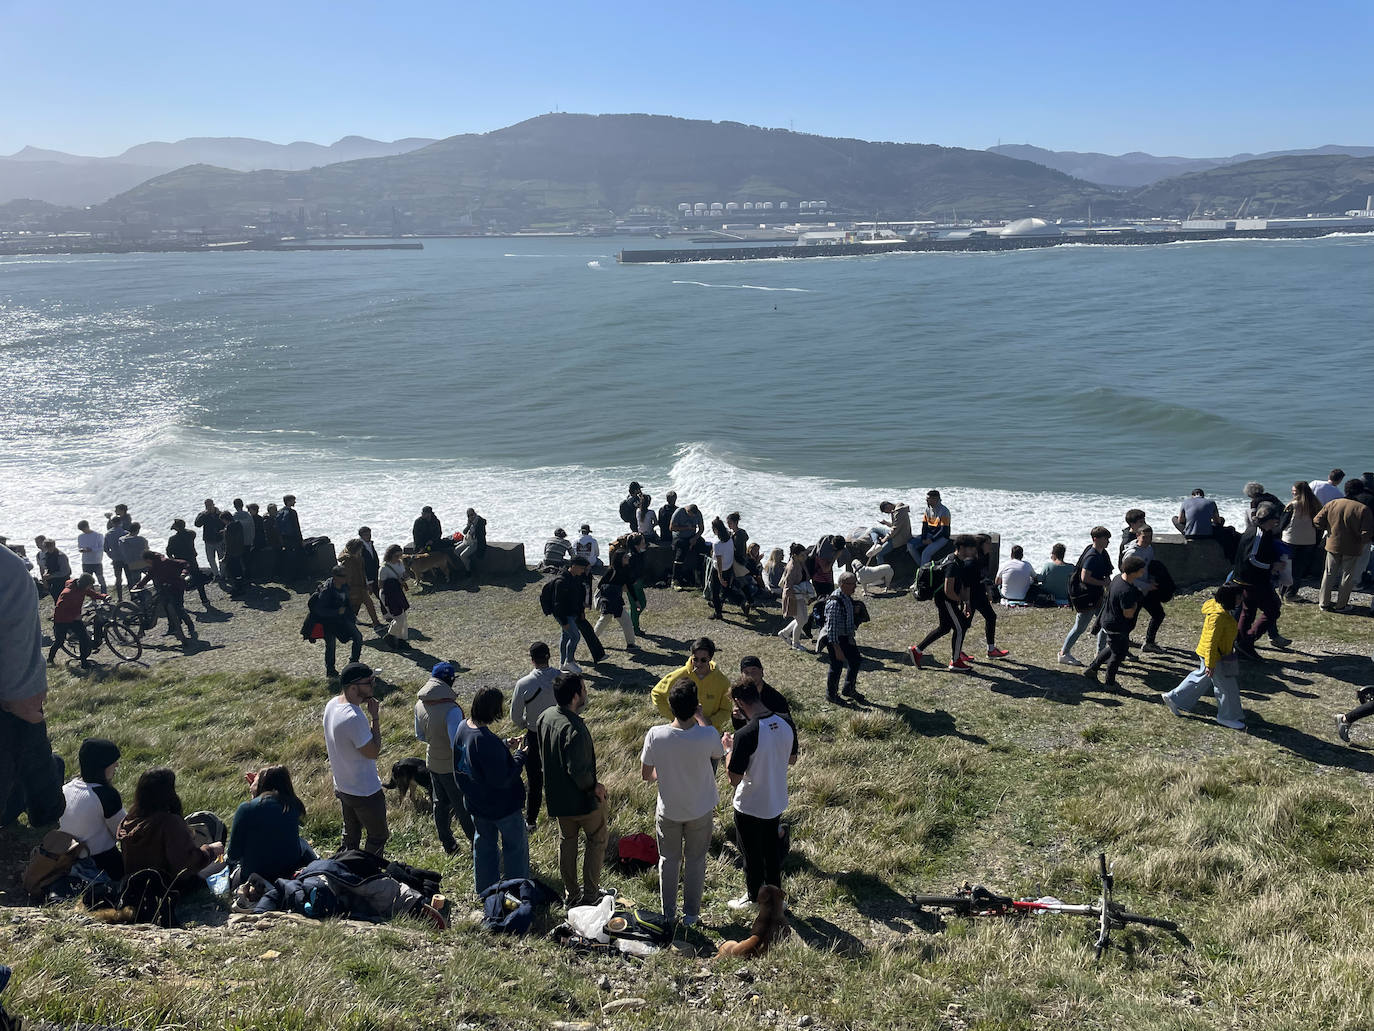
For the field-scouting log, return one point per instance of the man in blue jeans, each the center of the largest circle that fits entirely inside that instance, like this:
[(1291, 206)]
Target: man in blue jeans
[(569, 603), (1094, 571)]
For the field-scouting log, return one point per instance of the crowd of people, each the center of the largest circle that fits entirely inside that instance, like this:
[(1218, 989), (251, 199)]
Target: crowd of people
[(495, 788)]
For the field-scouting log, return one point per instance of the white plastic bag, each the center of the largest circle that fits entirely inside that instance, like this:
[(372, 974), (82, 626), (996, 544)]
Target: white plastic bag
[(590, 921)]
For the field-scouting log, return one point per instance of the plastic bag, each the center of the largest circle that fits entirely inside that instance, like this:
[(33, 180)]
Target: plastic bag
[(590, 921)]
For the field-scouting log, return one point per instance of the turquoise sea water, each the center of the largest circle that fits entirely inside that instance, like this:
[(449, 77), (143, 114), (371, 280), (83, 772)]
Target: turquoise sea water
[(1042, 391)]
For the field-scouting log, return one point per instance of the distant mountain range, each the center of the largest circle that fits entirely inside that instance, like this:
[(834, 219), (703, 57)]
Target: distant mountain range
[(1286, 186), (78, 180), (1139, 169)]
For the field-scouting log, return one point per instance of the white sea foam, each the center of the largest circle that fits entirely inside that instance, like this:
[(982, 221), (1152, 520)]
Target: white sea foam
[(593, 264), (742, 286)]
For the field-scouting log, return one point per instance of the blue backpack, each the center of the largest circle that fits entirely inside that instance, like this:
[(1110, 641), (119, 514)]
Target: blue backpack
[(508, 906)]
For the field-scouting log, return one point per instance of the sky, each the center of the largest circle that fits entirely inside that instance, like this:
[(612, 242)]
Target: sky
[(1165, 77)]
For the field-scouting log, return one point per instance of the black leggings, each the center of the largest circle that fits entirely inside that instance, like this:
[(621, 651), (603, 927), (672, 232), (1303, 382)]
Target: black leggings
[(1156, 611), (1113, 654), (980, 603), (951, 622), (1360, 712)]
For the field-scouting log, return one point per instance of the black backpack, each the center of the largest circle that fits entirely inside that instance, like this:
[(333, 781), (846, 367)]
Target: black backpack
[(546, 595), (1083, 597), (629, 510), (931, 576)]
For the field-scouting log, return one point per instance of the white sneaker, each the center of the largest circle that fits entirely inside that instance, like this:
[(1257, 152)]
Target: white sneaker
[(571, 667), (1173, 705), (743, 902), (1232, 724), (1066, 659)]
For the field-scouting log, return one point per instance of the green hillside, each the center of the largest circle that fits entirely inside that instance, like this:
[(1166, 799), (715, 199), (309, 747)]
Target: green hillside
[(1287, 186)]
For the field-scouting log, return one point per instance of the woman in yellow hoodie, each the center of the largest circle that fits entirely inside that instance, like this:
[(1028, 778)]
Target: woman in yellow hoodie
[(1216, 665), (713, 686)]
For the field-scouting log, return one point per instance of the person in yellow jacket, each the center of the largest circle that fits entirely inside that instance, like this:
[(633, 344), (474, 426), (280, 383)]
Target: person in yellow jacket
[(713, 686), (1216, 663)]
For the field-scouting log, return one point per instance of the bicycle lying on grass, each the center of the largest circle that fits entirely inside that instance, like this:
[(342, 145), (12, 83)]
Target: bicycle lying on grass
[(119, 627), (977, 900)]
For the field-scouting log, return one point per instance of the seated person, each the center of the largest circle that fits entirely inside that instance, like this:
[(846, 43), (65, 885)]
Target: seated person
[(155, 837), (94, 809), (1055, 576), (265, 837), (558, 549), (1016, 578)]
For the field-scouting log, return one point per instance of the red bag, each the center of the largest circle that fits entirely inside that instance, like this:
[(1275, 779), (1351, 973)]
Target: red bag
[(317, 631), (637, 851)]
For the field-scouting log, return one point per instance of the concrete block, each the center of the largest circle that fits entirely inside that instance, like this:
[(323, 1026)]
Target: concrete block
[(503, 560), (320, 558), (1193, 564)]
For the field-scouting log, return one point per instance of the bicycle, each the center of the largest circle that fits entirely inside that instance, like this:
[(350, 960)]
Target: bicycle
[(140, 609), (107, 623), (971, 901)]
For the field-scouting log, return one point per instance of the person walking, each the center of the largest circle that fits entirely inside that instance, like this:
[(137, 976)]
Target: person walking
[(489, 776), (1216, 665), (574, 796), (1349, 526), (372, 562), (638, 600), (797, 594), (978, 598), (358, 594), (1257, 559), (1142, 546), (91, 544), (952, 604), (66, 618), (679, 757), (330, 609), (168, 577), (613, 588), (437, 717), (532, 695), (1087, 589), (1118, 620), (182, 545), (757, 758), (211, 526), (838, 633), (391, 581), (353, 741), (569, 602)]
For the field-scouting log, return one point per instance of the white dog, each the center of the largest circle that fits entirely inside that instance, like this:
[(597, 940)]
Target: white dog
[(874, 576)]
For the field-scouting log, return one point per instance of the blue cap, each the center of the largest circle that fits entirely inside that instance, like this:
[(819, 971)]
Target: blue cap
[(444, 671)]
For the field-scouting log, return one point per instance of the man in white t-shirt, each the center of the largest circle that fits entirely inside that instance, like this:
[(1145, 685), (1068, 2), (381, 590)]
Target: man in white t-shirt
[(756, 759), (1330, 488), (91, 544), (588, 548), (354, 740), (1016, 576), (679, 756)]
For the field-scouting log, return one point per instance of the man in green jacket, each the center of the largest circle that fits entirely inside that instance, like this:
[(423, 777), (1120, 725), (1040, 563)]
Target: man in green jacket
[(576, 799)]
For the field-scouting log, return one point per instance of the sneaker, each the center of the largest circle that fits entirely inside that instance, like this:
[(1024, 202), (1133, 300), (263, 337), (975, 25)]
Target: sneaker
[(1089, 673), (1342, 727), (743, 902), (690, 920), (571, 667), (1067, 659), (1113, 684), (1173, 705), (965, 657), (998, 653), (960, 666), (1150, 646), (1246, 652), (916, 655), (1279, 641), (1231, 724)]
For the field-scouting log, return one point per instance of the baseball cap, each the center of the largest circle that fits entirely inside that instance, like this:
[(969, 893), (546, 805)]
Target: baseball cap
[(354, 672), (445, 671), (178, 524), (586, 528), (750, 662)]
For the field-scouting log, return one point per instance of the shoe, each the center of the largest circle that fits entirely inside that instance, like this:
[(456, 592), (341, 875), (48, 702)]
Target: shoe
[(916, 655), (1279, 641), (1247, 653), (714, 615), (690, 920), (960, 666), (745, 609), (1090, 673), (1342, 727), (965, 657), (998, 653), (850, 692), (833, 697), (571, 667), (1113, 684), (1150, 646), (743, 902), (1066, 659), (1173, 705), (530, 827), (1231, 724), (332, 674)]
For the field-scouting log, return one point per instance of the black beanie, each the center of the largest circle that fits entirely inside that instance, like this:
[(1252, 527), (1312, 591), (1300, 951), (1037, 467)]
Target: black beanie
[(95, 756)]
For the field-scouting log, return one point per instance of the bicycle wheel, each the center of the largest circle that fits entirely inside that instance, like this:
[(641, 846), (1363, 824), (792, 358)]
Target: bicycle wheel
[(961, 905), (1148, 921), (124, 641), (71, 646)]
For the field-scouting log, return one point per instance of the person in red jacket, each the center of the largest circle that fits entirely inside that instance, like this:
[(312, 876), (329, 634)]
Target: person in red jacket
[(66, 617), (168, 575)]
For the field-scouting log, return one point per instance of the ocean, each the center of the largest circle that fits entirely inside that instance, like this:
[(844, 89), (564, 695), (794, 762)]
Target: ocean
[(1041, 391)]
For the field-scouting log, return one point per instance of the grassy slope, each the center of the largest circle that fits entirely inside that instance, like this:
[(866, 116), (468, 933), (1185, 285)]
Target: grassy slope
[(1256, 843)]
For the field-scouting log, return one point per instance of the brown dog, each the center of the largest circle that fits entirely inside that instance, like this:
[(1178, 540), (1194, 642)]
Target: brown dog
[(428, 561), (769, 926)]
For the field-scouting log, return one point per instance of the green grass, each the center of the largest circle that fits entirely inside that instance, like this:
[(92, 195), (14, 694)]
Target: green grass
[(1257, 844)]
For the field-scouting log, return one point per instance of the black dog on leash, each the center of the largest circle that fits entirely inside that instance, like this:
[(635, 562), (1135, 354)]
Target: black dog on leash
[(407, 775)]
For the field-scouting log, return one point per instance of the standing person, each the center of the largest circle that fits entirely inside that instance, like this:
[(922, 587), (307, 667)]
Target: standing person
[(613, 588), (1300, 534), (1328, 489), (66, 617), (358, 594), (94, 806), (797, 593), (683, 531), (330, 609), (1016, 576), (575, 798), (245, 519), (1258, 496), (665, 517), (91, 544), (259, 527), (723, 569), (678, 757), (474, 544), (353, 741), (1198, 517), (634, 591), (934, 527), (1118, 620), (978, 598), (751, 669), (1092, 572), (57, 570), (1216, 665), (372, 562), (274, 545), (234, 556), (168, 577), (898, 534), (646, 519), (569, 602), (211, 526), (629, 508), (1143, 546), (426, 530), (437, 718), (1257, 560), (840, 628), (182, 545), (391, 580), (952, 604), (489, 776), (1349, 526), (532, 695), (756, 759), (588, 548), (30, 775), (134, 546), (713, 686), (114, 533), (292, 543)]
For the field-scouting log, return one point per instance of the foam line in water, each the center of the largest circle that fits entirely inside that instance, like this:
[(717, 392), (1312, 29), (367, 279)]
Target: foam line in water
[(742, 286)]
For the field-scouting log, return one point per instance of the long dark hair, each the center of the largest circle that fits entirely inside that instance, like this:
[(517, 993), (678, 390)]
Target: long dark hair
[(276, 781), (156, 792)]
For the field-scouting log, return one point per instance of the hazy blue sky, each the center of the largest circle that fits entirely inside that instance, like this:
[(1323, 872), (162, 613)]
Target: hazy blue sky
[(1191, 78)]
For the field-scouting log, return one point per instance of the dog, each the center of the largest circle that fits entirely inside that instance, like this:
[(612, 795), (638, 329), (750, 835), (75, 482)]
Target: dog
[(428, 561), (879, 577), (769, 925), (407, 775)]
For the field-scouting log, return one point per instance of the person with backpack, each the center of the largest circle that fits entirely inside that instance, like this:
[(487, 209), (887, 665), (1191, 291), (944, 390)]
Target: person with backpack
[(679, 757), (489, 776), (437, 716), (1087, 588), (532, 695), (797, 594), (1118, 618), (330, 609), (1216, 665), (574, 796), (629, 508), (95, 809), (211, 526), (1257, 558), (565, 598), (962, 572)]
